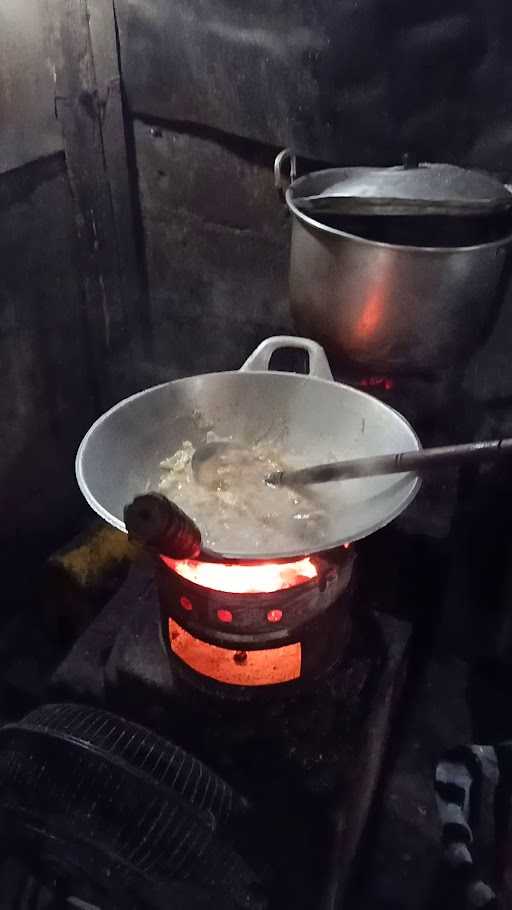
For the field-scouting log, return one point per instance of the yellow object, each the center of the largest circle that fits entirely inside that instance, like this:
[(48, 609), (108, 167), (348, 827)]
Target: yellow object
[(97, 551)]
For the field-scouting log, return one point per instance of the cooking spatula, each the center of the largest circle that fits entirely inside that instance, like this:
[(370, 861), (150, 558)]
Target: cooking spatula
[(418, 461)]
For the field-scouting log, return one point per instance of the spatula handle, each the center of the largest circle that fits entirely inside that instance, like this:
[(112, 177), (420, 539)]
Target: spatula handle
[(417, 461)]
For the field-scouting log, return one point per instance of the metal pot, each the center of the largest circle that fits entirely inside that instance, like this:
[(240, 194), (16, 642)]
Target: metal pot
[(394, 294), (120, 456)]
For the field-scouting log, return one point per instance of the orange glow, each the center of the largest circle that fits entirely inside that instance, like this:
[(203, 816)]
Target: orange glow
[(261, 578), (377, 382), (274, 615), (371, 316), (237, 668), (224, 615)]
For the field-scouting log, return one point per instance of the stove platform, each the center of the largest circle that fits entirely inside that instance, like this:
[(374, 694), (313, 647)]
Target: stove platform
[(309, 764)]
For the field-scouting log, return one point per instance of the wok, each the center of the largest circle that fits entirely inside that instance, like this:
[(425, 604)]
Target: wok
[(314, 418)]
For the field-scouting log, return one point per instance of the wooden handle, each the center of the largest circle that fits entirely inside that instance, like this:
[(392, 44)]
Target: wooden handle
[(159, 524)]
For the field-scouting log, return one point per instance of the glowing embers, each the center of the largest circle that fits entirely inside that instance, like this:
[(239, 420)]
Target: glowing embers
[(257, 578), (237, 668)]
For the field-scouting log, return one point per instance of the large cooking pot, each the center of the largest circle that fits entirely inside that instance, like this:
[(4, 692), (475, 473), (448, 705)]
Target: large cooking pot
[(411, 294), (317, 418)]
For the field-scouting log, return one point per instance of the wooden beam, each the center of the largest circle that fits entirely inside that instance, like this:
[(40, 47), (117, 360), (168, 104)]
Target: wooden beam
[(122, 184), (89, 107)]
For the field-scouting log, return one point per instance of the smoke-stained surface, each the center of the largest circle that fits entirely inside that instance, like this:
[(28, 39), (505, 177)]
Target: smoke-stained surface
[(216, 242), (28, 126), (352, 82), (45, 402), (217, 88)]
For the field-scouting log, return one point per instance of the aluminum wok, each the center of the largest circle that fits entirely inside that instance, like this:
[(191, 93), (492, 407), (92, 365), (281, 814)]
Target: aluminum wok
[(317, 419)]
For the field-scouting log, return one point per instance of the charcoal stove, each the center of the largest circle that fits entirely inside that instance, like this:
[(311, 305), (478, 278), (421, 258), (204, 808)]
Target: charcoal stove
[(241, 628), (238, 628), (308, 762)]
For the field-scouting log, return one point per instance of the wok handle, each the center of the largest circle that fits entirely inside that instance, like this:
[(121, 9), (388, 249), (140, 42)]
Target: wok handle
[(260, 358), (419, 461), (281, 181)]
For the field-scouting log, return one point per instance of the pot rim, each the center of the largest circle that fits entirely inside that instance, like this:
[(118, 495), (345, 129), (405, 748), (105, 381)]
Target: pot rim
[(381, 244)]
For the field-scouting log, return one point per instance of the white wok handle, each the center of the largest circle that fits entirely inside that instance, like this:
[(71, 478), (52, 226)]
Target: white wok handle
[(260, 358)]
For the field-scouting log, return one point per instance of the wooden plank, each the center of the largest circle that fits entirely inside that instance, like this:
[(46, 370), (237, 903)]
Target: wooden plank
[(102, 30), (78, 113), (104, 246), (122, 183), (29, 129)]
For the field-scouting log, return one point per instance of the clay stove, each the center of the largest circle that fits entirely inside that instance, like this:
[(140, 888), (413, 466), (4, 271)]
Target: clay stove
[(246, 626)]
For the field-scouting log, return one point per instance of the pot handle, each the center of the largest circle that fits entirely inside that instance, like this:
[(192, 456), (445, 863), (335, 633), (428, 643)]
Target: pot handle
[(281, 180), (260, 358)]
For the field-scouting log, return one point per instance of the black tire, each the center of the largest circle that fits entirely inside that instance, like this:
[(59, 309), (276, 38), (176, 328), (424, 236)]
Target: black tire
[(98, 797)]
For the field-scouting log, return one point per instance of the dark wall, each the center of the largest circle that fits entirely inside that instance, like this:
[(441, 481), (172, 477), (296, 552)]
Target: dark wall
[(352, 81), (45, 392), (216, 248), (216, 88), (28, 127), (45, 401), (66, 329)]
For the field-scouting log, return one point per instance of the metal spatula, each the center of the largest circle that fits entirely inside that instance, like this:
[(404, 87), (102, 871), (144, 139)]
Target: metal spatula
[(419, 461), (213, 457)]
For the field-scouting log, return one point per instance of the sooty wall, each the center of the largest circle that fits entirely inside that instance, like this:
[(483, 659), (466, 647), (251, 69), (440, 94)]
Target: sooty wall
[(216, 88), (45, 398)]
